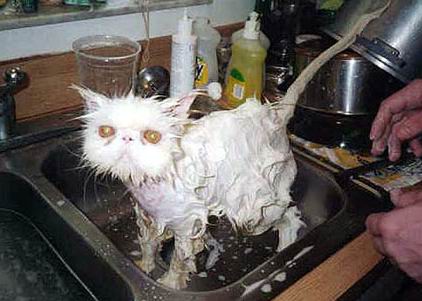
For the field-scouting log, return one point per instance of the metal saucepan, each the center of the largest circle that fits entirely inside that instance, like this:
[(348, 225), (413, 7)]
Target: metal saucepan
[(348, 84)]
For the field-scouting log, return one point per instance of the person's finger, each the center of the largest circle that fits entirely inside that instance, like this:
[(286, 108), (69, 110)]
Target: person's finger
[(409, 127), (385, 224), (416, 147), (378, 243), (409, 198), (379, 145), (378, 125), (373, 223), (394, 145), (408, 98), (395, 196)]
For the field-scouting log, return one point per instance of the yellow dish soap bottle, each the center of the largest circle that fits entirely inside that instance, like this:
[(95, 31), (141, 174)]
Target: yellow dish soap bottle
[(244, 78)]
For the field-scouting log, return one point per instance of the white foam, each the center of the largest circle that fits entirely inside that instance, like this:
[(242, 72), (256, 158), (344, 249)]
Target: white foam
[(266, 288)]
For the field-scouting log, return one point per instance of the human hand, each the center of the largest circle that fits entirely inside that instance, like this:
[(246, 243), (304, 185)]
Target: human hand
[(399, 119), (398, 234)]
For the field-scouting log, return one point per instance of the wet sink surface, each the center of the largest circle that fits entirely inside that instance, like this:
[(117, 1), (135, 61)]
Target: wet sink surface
[(30, 269)]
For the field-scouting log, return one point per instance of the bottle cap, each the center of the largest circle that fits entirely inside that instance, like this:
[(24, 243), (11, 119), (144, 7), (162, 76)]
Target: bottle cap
[(252, 26), (185, 25), (214, 90)]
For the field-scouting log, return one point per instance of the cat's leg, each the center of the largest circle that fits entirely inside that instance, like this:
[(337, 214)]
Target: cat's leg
[(150, 240), (282, 218), (288, 227), (183, 261)]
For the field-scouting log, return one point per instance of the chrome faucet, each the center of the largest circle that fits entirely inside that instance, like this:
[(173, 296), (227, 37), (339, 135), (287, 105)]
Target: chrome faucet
[(15, 79)]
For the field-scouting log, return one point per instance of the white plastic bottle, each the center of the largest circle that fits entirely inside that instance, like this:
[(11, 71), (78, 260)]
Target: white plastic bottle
[(183, 57), (265, 42), (206, 58)]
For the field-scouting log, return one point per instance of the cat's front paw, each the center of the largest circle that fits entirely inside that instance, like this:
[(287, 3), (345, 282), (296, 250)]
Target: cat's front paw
[(175, 280), (146, 265)]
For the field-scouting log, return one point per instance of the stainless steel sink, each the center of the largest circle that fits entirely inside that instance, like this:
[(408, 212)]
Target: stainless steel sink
[(89, 223)]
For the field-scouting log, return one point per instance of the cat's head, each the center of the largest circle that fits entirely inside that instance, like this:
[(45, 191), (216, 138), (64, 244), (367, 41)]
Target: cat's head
[(132, 138)]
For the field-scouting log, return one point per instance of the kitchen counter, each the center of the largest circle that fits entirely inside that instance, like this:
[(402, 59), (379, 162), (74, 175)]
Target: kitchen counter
[(337, 274)]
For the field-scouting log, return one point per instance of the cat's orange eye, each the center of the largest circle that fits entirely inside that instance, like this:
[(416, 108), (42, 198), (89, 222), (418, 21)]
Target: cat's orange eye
[(106, 131), (152, 136)]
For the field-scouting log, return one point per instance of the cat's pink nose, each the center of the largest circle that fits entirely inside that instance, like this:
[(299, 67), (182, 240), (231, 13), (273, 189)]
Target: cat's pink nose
[(127, 139)]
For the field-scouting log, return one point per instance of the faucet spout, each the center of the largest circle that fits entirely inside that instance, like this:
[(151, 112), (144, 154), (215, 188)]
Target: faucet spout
[(14, 80)]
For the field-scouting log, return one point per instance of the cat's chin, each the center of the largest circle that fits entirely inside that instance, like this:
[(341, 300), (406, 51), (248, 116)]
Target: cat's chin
[(129, 174)]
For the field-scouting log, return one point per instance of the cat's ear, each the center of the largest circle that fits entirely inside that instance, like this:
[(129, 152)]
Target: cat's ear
[(180, 106), (93, 101)]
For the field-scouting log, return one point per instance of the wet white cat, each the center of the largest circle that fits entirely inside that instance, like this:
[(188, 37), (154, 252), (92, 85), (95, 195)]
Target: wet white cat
[(234, 163)]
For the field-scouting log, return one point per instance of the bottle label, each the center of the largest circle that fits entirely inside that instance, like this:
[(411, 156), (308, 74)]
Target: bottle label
[(201, 72), (236, 82)]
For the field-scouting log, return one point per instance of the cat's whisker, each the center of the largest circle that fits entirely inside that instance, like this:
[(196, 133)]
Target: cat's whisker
[(89, 175), (69, 150), (94, 186), (81, 166), (126, 192), (87, 115)]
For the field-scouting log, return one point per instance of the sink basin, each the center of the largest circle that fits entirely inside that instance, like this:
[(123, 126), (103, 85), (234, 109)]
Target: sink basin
[(30, 267), (88, 222)]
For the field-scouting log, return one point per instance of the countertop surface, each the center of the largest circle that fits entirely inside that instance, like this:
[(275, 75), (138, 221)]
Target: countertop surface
[(331, 279)]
